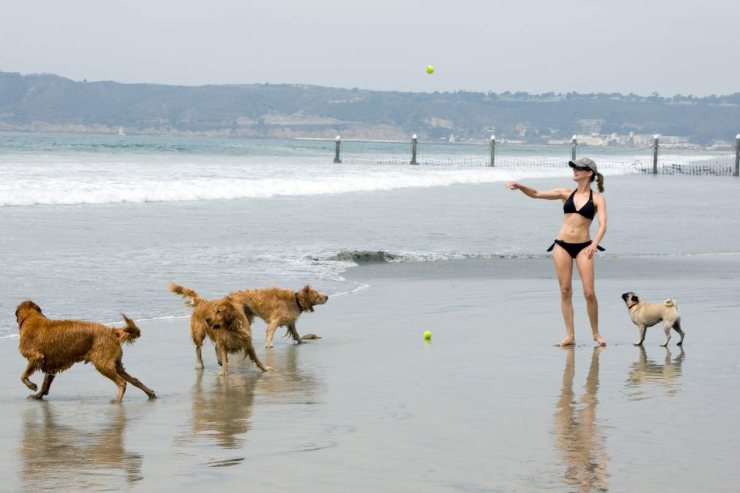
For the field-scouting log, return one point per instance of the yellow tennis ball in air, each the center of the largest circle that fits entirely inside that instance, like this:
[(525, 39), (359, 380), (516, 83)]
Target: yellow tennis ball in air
[(430, 69), (427, 335)]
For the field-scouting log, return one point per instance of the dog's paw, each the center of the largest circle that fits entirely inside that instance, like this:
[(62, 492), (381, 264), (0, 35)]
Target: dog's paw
[(36, 397), (268, 346)]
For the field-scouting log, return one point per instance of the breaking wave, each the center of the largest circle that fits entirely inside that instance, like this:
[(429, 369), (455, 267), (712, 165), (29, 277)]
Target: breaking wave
[(60, 187)]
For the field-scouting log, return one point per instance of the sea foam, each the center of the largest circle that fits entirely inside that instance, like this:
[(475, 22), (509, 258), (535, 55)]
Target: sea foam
[(89, 187)]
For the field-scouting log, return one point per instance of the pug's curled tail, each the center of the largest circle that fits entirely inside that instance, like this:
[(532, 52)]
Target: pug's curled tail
[(669, 302)]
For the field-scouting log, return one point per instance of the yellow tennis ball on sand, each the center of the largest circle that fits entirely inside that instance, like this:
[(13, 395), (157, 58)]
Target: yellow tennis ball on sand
[(430, 69), (427, 335)]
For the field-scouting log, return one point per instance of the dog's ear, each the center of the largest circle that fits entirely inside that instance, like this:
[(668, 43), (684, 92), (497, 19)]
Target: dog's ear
[(234, 310), (635, 298), (24, 307), (306, 298), (229, 312)]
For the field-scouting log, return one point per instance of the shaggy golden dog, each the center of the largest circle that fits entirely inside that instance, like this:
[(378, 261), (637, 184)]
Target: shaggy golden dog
[(223, 322), (278, 307), (53, 346)]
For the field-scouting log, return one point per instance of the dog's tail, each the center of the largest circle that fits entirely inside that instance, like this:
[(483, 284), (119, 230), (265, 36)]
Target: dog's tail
[(194, 297), (669, 303), (130, 332)]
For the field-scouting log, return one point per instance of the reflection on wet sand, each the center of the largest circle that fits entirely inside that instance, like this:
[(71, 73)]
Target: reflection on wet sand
[(289, 381), (74, 457), (646, 373), (222, 408), (223, 405), (578, 438)]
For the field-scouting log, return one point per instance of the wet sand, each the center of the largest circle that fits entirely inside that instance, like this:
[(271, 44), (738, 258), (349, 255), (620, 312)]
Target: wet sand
[(489, 404)]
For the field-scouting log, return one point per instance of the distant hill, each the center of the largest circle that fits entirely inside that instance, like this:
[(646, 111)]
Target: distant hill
[(47, 102)]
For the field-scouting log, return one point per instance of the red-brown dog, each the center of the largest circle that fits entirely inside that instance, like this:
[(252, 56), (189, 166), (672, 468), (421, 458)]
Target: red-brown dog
[(53, 346)]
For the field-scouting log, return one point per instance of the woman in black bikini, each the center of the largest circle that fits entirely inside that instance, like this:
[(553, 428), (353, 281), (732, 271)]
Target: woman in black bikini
[(574, 243)]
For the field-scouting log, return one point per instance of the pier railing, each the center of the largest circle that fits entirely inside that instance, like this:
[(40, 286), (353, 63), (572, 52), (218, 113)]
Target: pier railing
[(656, 158)]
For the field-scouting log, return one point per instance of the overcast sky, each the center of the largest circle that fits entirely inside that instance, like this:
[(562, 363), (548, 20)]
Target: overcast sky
[(535, 46)]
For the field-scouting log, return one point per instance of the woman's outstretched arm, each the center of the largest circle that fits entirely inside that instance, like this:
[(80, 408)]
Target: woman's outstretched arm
[(554, 194)]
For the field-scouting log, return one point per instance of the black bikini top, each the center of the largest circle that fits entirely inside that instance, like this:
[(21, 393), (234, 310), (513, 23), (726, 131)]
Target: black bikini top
[(587, 210)]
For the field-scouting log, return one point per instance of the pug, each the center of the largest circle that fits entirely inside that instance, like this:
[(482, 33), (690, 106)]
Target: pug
[(646, 315)]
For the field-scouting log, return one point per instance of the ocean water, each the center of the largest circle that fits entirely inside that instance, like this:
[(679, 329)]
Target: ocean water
[(92, 226)]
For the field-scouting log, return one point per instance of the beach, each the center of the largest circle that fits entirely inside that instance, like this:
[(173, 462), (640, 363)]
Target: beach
[(488, 404)]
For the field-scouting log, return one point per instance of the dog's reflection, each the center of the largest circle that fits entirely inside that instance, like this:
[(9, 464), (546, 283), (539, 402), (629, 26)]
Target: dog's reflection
[(223, 405), (646, 374), (578, 438), (61, 456), (222, 408), (290, 381)]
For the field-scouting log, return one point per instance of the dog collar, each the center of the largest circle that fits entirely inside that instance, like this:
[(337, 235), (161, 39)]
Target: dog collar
[(298, 302), (632, 306)]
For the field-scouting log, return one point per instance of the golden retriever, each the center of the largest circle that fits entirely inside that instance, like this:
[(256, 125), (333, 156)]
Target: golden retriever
[(278, 307), (223, 322), (53, 346)]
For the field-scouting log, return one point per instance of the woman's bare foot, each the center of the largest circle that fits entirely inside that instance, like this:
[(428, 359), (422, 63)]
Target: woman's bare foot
[(600, 340), (568, 341)]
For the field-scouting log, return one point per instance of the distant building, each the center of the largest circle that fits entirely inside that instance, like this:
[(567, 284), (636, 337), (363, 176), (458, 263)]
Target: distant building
[(641, 140), (673, 140), (593, 140), (522, 129), (590, 126)]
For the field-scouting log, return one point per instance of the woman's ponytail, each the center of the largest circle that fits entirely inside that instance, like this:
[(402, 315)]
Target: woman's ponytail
[(600, 182)]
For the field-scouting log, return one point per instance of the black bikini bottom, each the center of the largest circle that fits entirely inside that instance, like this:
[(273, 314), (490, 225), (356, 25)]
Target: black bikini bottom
[(573, 248)]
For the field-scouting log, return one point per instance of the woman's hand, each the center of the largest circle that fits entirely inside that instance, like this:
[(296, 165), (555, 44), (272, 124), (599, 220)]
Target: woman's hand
[(591, 250), (512, 185)]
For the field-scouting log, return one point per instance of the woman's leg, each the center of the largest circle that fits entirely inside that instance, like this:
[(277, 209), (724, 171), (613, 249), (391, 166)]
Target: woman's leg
[(564, 269), (586, 271)]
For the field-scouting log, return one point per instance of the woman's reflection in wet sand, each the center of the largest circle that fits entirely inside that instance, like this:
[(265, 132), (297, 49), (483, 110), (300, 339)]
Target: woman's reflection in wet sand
[(578, 438), (645, 373), (73, 457), (223, 405)]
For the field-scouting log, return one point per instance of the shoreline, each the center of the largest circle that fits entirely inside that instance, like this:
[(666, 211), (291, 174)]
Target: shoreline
[(288, 133), (611, 268)]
